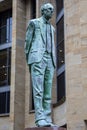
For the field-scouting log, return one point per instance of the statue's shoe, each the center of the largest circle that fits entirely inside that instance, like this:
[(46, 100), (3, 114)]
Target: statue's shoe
[(43, 123), (53, 125)]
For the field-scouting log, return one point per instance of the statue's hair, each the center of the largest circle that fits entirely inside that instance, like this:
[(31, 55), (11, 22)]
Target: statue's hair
[(44, 6)]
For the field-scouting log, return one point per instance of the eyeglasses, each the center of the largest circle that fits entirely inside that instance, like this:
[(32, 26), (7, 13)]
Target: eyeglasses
[(50, 9)]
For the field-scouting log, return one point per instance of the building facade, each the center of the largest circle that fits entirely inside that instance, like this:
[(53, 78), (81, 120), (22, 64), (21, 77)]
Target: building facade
[(69, 95)]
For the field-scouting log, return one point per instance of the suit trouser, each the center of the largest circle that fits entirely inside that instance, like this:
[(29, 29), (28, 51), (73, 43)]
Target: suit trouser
[(42, 75)]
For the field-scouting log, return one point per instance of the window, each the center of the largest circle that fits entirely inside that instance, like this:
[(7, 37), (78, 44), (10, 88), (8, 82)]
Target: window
[(33, 15), (33, 9), (5, 103), (60, 42), (59, 5), (61, 84), (60, 51), (5, 60), (5, 67), (5, 27)]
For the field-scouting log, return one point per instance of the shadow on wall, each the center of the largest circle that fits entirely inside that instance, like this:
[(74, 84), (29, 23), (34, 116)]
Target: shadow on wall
[(85, 124)]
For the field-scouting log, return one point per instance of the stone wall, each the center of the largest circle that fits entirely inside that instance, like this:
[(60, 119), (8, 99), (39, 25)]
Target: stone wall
[(17, 105), (73, 111), (76, 63), (4, 123)]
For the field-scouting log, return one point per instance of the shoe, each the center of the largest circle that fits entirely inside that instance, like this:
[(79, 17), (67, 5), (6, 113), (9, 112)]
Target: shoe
[(53, 125), (42, 123)]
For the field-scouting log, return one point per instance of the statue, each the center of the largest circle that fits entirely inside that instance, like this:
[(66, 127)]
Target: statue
[(40, 56)]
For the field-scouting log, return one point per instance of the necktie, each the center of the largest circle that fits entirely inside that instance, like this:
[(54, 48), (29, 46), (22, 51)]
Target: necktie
[(48, 38)]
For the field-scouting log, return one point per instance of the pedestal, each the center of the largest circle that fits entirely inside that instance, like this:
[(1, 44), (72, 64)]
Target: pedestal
[(45, 128)]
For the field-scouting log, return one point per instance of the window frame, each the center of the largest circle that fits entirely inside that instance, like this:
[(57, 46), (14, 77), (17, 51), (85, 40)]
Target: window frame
[(33, 16), (7, 45), (61, 69)]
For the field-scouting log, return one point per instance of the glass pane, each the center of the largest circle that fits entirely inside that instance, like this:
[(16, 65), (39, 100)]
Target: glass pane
[(5, 67), (60, 30), (9, 56), (33, 9), (59, 5), (60, 55), (5, 29), (2, 103), (8, 102), (3, 58), (61, 86), (3, 77), (3, 32), (4, 19)]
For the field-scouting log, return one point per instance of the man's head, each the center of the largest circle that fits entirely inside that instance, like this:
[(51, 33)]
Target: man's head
[(47, 10)]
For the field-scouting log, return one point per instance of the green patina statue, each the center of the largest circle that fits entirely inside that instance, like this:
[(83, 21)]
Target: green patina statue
[(40, 56)]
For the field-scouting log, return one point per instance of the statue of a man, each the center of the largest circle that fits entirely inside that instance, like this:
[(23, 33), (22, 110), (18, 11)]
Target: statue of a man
[(40, 56)]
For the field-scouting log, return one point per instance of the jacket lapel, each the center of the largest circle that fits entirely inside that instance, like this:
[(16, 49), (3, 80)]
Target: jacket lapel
[(42, 28)]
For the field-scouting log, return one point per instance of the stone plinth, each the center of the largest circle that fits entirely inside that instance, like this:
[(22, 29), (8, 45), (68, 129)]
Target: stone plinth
[(45, 128)]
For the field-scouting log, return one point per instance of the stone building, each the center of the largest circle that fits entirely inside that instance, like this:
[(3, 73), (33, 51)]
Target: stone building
[(69, 100)]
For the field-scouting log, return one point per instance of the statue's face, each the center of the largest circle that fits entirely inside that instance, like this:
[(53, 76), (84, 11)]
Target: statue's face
[(48, 11)]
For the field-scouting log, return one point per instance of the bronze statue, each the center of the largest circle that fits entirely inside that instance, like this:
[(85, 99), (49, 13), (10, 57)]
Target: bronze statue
[(40, 56)]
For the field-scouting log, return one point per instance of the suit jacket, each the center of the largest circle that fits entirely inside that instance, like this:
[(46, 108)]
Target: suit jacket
[(35, 41)]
